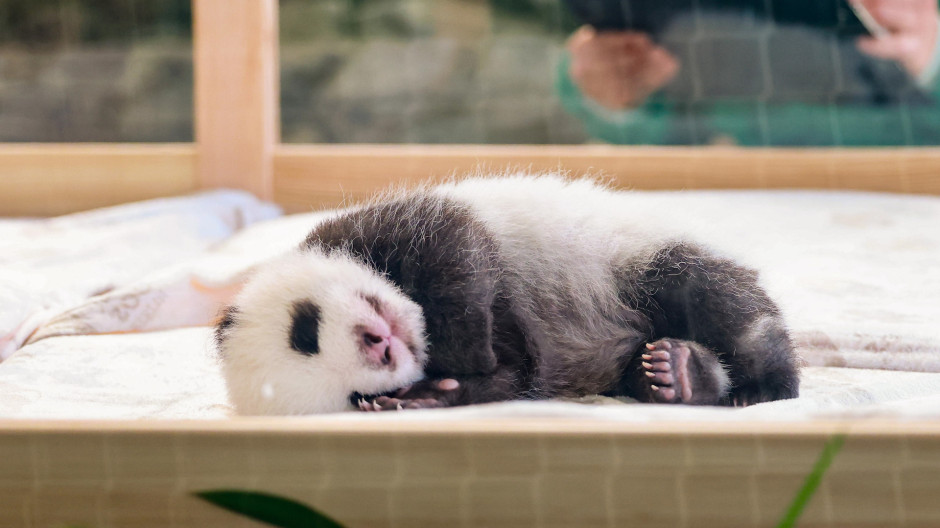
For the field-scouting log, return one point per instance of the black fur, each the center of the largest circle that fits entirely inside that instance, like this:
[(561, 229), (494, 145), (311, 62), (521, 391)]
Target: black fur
[(305, 327), (503, 335)]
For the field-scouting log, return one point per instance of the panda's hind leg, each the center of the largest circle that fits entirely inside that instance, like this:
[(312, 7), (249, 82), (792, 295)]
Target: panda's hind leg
[(715, 309)]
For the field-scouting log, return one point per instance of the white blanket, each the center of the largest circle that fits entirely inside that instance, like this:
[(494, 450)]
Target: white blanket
[(49, 266), (856, 275)]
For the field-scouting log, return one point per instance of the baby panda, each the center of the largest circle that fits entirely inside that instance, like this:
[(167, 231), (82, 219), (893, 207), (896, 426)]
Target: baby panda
[(503, 288)]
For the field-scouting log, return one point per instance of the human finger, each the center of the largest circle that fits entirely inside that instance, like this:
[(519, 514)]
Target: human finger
[(610, 48), (651, 71), (889, 47), (899, 15), (624, 42), (580, 37), (661, 67)]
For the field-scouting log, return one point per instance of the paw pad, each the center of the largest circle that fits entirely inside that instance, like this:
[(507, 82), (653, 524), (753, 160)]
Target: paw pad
[(665, 367)]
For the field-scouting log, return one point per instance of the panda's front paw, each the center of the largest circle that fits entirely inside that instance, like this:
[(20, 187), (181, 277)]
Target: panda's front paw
[(388, 403), (425, 394)]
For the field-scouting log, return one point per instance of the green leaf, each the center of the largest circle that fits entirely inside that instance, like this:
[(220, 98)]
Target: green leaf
[(267, 508), (832, 447)]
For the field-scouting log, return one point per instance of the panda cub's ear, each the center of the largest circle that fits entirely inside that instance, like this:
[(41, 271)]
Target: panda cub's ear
[(305, 327), (227, 319)]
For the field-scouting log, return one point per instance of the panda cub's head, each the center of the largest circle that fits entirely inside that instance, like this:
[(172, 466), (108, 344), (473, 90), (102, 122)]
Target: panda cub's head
[(310, 330)]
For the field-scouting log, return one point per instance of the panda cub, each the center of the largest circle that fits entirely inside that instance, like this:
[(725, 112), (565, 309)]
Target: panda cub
[(493, 289)]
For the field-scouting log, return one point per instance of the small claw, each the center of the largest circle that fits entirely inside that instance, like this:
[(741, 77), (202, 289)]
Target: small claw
[(376, 406), (660, 355), (650, 375), (647, 366), (647, 356), (654, 387), (650, 346), (399, 407)]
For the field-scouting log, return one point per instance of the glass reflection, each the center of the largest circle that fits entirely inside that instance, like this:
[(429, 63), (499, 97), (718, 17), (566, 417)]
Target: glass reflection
[(687, 72), (794, 72), (96, 70)]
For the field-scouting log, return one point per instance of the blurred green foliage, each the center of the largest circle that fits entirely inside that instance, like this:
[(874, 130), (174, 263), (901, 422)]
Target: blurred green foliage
[(50, 23)]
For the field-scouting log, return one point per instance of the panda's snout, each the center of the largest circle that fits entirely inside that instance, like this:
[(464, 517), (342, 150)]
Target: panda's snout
[(377, 348), (380, 345)]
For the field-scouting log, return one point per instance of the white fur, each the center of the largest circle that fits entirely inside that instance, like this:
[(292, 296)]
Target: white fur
[(264, 375), (559, 231), (720, 373)]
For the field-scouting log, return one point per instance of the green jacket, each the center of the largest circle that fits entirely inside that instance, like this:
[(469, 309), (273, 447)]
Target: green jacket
[(664, 122)]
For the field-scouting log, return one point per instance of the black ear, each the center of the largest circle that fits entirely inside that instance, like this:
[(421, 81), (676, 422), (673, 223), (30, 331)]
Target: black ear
[(442, 258), (305, 328), (226, 321)]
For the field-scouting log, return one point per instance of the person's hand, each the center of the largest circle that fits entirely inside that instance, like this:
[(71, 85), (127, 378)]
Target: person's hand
[(618, 70), (912, 32)]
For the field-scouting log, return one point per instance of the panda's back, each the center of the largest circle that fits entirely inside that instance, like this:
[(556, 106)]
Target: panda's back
[(555, 233)]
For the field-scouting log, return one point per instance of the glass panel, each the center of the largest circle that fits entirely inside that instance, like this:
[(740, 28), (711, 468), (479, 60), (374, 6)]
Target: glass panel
[(96, 70), (688, 72)]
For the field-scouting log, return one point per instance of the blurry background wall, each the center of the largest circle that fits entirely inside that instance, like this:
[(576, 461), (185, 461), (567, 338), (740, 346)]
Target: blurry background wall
[(352, 71), (424, 71), (445, 71), (96, 70)]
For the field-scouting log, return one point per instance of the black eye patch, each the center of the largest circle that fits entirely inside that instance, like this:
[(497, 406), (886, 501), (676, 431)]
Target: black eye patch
[(373, 302), (305, 327), (225, 322)]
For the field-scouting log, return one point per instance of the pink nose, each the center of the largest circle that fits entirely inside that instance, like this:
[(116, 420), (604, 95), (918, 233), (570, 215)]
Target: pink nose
[(377, 349)]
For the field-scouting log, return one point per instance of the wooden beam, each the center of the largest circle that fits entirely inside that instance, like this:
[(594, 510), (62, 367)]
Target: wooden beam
[(52, 179), (236, 92), (316, 176), (326, 424)]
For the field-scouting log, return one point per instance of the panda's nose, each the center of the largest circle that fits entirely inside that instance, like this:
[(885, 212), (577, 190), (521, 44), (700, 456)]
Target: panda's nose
[(376, 348)]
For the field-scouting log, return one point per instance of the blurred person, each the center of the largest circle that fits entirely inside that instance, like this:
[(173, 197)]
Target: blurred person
[(614, 80)]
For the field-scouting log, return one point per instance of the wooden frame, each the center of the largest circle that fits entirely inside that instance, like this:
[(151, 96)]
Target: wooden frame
[(51, 179), (355, 171), (537, 472), (237, 145), (236, 92)]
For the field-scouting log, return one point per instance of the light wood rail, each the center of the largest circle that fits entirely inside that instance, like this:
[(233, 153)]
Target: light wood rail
[(40, 179)]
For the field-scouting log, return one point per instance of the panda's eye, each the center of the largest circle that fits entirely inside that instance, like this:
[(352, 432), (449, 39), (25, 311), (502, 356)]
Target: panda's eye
[(305, 325)]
